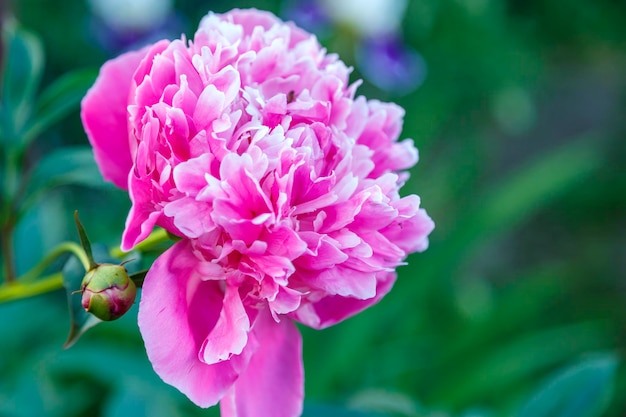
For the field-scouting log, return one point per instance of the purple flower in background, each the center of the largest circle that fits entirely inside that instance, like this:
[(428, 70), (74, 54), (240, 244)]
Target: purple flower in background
[(308, 14), (382, 56), (390, 65), (120, 25)]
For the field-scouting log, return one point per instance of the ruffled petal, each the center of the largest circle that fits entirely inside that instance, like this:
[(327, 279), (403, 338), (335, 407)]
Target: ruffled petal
[(273, 383), (142, 216), (249, 145), (176, 313), (333, 309)]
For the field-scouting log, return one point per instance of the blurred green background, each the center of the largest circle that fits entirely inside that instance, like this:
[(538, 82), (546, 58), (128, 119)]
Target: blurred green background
[(517, 108)]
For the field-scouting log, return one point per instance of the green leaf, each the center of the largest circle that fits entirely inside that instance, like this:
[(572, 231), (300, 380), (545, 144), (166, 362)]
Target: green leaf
[(138, 277), (24, 61), (136, 398), (503, 366), (66, 166), (582, 390), (84, 241), (35, 393), (58, 100), (80, 320), (384, 401), (520, 195), (542, 181), (39, 230)]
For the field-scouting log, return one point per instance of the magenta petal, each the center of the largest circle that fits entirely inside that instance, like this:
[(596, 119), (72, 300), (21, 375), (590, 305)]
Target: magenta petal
[(176, 313), (412, 234), (332, 309), (105, 116), (273, 383), (249, 145), (142, 216), (230, 334), (342, 281), (249, 19)]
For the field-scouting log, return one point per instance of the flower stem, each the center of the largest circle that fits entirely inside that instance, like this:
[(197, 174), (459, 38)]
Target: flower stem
[(8, 218), (28, 285), (62, 248), (6, 242), (156, 238), (17, 290)]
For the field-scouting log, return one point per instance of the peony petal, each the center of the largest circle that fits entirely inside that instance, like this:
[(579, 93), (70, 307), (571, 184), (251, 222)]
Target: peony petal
[(285, 242), (192, 218), (273, 383), (105, 116), (142, 216), (342, 281), (324, 253), (209, 107), (286, 301), (230, 334), (331, 310), (189, 176), (249, 144), (410, 232), (176, 313)]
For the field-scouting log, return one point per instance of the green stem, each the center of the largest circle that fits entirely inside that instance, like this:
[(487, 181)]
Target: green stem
[(62, 248), (28, 285), (156, 238), (17, 290), (8, 217), (6, 242)]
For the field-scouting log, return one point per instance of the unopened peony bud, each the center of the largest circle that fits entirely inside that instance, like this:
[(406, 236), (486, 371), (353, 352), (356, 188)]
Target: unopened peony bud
[(108, 292)]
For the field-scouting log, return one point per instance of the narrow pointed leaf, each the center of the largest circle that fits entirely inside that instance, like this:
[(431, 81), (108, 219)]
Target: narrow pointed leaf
[(58, 100), (84, 241), (66, 166), (23, 66), (138, 277), (80, 320)]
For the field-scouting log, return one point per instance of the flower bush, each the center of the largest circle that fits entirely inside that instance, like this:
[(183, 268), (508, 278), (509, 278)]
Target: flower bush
[(248, 143)]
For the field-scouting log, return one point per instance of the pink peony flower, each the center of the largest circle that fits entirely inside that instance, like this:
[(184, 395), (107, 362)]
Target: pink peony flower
[(248, 143)]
